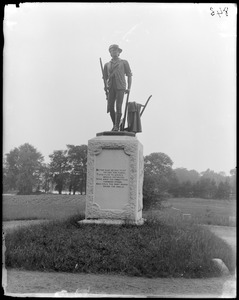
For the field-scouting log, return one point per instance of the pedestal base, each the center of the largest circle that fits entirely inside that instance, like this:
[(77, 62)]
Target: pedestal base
[(115, 168), (116, 133), (111, 222)]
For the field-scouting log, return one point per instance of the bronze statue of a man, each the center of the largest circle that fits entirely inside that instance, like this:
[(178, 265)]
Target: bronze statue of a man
[(114, 73)]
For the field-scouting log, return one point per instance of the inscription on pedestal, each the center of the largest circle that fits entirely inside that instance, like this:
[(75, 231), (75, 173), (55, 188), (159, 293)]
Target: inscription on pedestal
[(112, 179)]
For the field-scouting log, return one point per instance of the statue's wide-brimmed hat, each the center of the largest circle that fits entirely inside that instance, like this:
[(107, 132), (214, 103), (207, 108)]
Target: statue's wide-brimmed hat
[(114, 46)]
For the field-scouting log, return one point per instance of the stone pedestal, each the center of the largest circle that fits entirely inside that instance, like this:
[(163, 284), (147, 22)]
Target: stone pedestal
[(115, 169)]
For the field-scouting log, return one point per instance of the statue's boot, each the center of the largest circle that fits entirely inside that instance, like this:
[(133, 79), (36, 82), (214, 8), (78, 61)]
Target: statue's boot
[(117, 121)]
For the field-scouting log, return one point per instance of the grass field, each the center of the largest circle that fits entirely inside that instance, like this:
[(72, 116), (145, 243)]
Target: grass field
[(219, 207), (205, 211), (30, 207)]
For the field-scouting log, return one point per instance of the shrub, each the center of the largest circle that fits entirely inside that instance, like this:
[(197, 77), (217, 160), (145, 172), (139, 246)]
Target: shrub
[(153, 198)]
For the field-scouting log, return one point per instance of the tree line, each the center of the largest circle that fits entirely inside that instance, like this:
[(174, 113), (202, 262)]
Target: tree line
[(25, 171), (207, 184)]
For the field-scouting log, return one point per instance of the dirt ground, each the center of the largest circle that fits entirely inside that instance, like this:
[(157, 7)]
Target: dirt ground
[(38, 283), (51, 284)]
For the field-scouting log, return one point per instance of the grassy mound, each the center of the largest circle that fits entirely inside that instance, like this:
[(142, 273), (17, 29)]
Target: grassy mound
[(162, 247)]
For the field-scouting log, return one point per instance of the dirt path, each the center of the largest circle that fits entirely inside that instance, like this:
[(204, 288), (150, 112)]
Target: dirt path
[(29, 283), (226, 233), (35, 283)]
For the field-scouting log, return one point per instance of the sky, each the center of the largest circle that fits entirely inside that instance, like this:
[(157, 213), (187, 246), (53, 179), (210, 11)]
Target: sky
[(184, 55)]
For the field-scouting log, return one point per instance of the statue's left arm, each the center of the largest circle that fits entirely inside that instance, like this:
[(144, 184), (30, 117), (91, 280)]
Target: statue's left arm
[(128, 73)]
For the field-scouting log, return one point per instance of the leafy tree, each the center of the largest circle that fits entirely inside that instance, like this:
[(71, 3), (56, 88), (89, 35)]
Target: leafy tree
[(158, 166), (5, 184), (158, 174), (232, 181), (197, 190), (77, 159), (223, 190), (233, 172), (186, 189), (205, 188), (10, 170), (22, 168), (217, 177), (174, 188), (59, 169), (184, 175), (46, 178)]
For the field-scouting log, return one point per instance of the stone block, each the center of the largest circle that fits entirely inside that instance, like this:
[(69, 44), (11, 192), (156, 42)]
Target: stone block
[(115, 168), (221, 266)]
